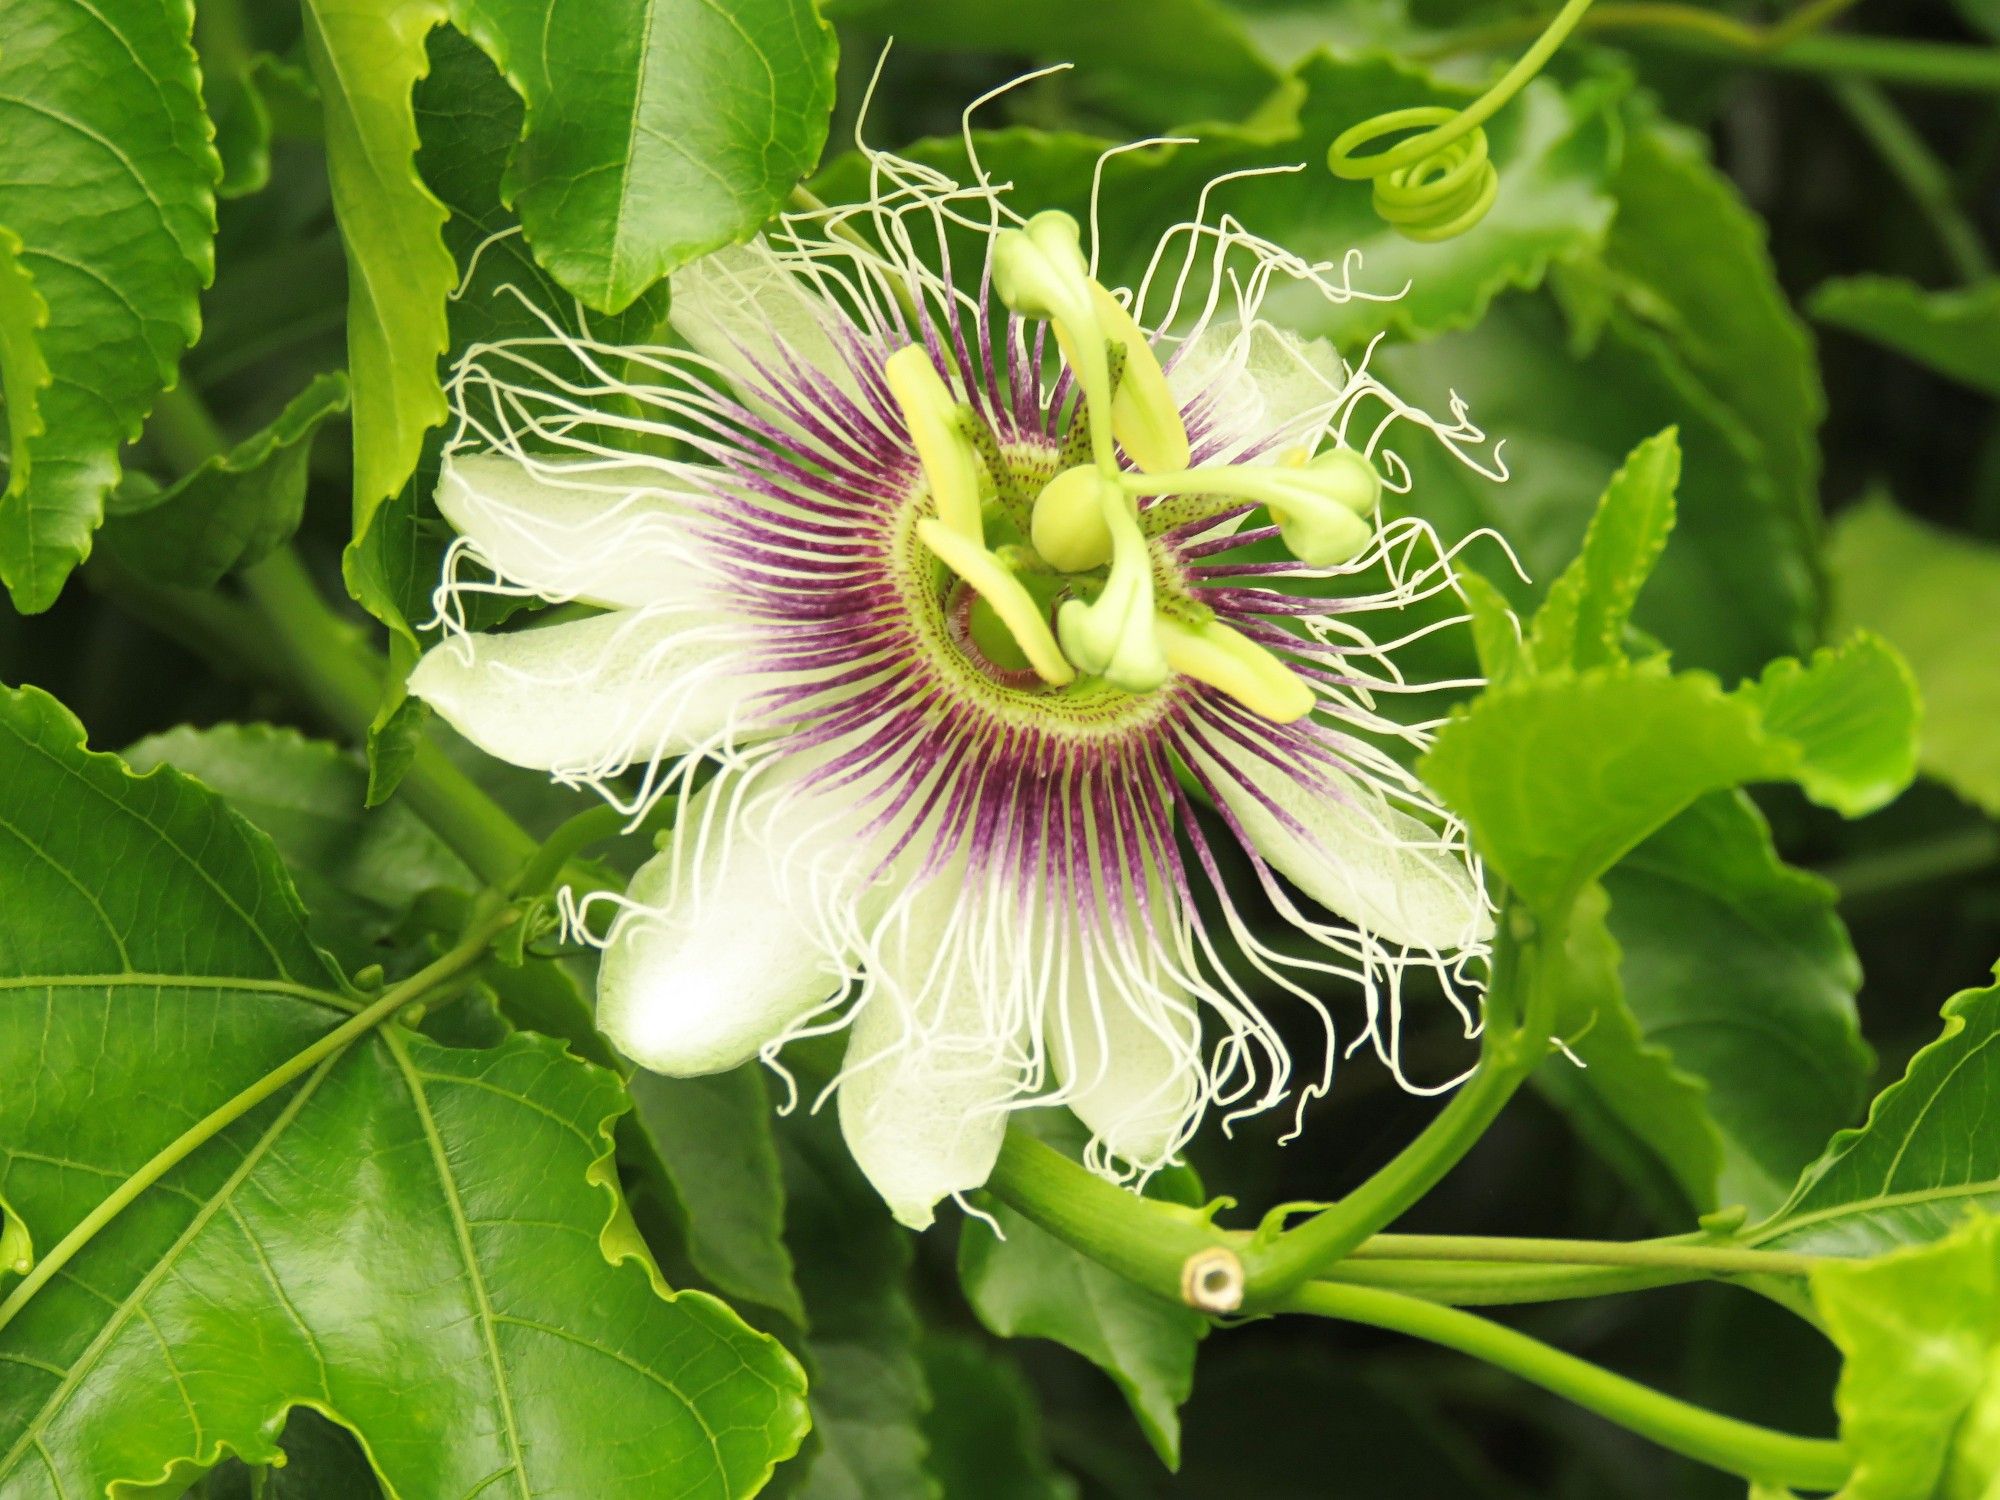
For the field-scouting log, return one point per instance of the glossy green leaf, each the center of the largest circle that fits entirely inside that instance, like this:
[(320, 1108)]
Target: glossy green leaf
[(1734, 589), (366, 58), (1955, 333), (110, 196), (657, 130), (985, 1427), (424, 1243), (470, 121), (1688, 259), (1559, 776), (233, 510), (1154, 62), (868, 1391), (1029, 1284), (1582, 621), (1923, 1160), (358, 870), (1553, 149), (1739, 969), (1936, 597), (1919, 1392), (714, 1137)]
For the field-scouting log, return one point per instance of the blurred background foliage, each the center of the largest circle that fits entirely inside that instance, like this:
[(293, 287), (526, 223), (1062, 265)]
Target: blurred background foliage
[(1678, 240)]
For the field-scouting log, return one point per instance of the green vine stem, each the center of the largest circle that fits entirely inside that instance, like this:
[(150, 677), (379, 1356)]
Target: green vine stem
[(1922, 175), (1719, 1260), (1786, 46), (1755, 1453), (469, 952)]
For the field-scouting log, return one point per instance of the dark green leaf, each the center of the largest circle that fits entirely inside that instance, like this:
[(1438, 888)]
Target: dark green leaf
[(1582, 621), (1936, 597), (233, 510), (365, 59), (1955, 333), (657, 130), (1029, 1284), (984, 1427), (1687, 258), (1734, 589), (111, 198), (1738, 967), (358, 870), (714, 1137), (1920, 1385), (1923, 1159), (1623, 1086), (1155, 62), (868, 1390), (424, 1243)]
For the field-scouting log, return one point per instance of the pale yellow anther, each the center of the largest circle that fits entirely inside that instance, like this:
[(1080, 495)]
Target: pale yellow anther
[(951, 464), (1144, 415), (1224, 658), (1321, 506), (1068, 526), (1113, 635), (1005, 595)]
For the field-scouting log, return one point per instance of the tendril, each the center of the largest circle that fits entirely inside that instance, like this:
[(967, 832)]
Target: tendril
[(1439, 184)]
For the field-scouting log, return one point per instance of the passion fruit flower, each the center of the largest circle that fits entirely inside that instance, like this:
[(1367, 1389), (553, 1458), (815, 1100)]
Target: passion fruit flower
[(992, 642)]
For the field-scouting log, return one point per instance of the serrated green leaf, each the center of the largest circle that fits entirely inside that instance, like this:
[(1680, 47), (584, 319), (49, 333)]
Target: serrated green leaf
[(114, 214), (1936, 597), (1922, 1161), (1553, 150), (1739, 970), (868, 1390), (1734, 590), (1029, 1284), (1852, 712), (359, 871), (424, 1243), (1154, 62), (714, 1137), (1582, 622), (1496, 633), (1559, 776), (24, 370), (235, 508), (1956, 333), (1919, 1394), (657, 130), (366, 58)]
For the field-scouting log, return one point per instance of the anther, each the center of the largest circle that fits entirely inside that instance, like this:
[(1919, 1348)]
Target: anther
[(1004, 594), (950, 462), (1225, 658)]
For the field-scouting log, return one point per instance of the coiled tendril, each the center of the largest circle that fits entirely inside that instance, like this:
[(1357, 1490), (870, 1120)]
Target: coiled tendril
[(1441, 183)]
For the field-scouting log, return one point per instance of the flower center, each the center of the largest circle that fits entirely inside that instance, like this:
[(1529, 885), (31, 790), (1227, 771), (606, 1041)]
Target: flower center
[(1021, 540)]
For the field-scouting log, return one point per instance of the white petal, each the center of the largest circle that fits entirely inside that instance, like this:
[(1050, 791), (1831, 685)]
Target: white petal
[(592, 696), (615, 536), (1125, 1041), (1374, 864), (730, 954), (929, 1068), (1259, 382), (741, 307)]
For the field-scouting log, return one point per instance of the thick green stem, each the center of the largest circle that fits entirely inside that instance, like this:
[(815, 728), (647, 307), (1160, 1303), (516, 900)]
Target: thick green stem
[(1756, 1453), (425, 982), (1464, 1283), (326, 659), (1922, 175), (1891, 875)]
